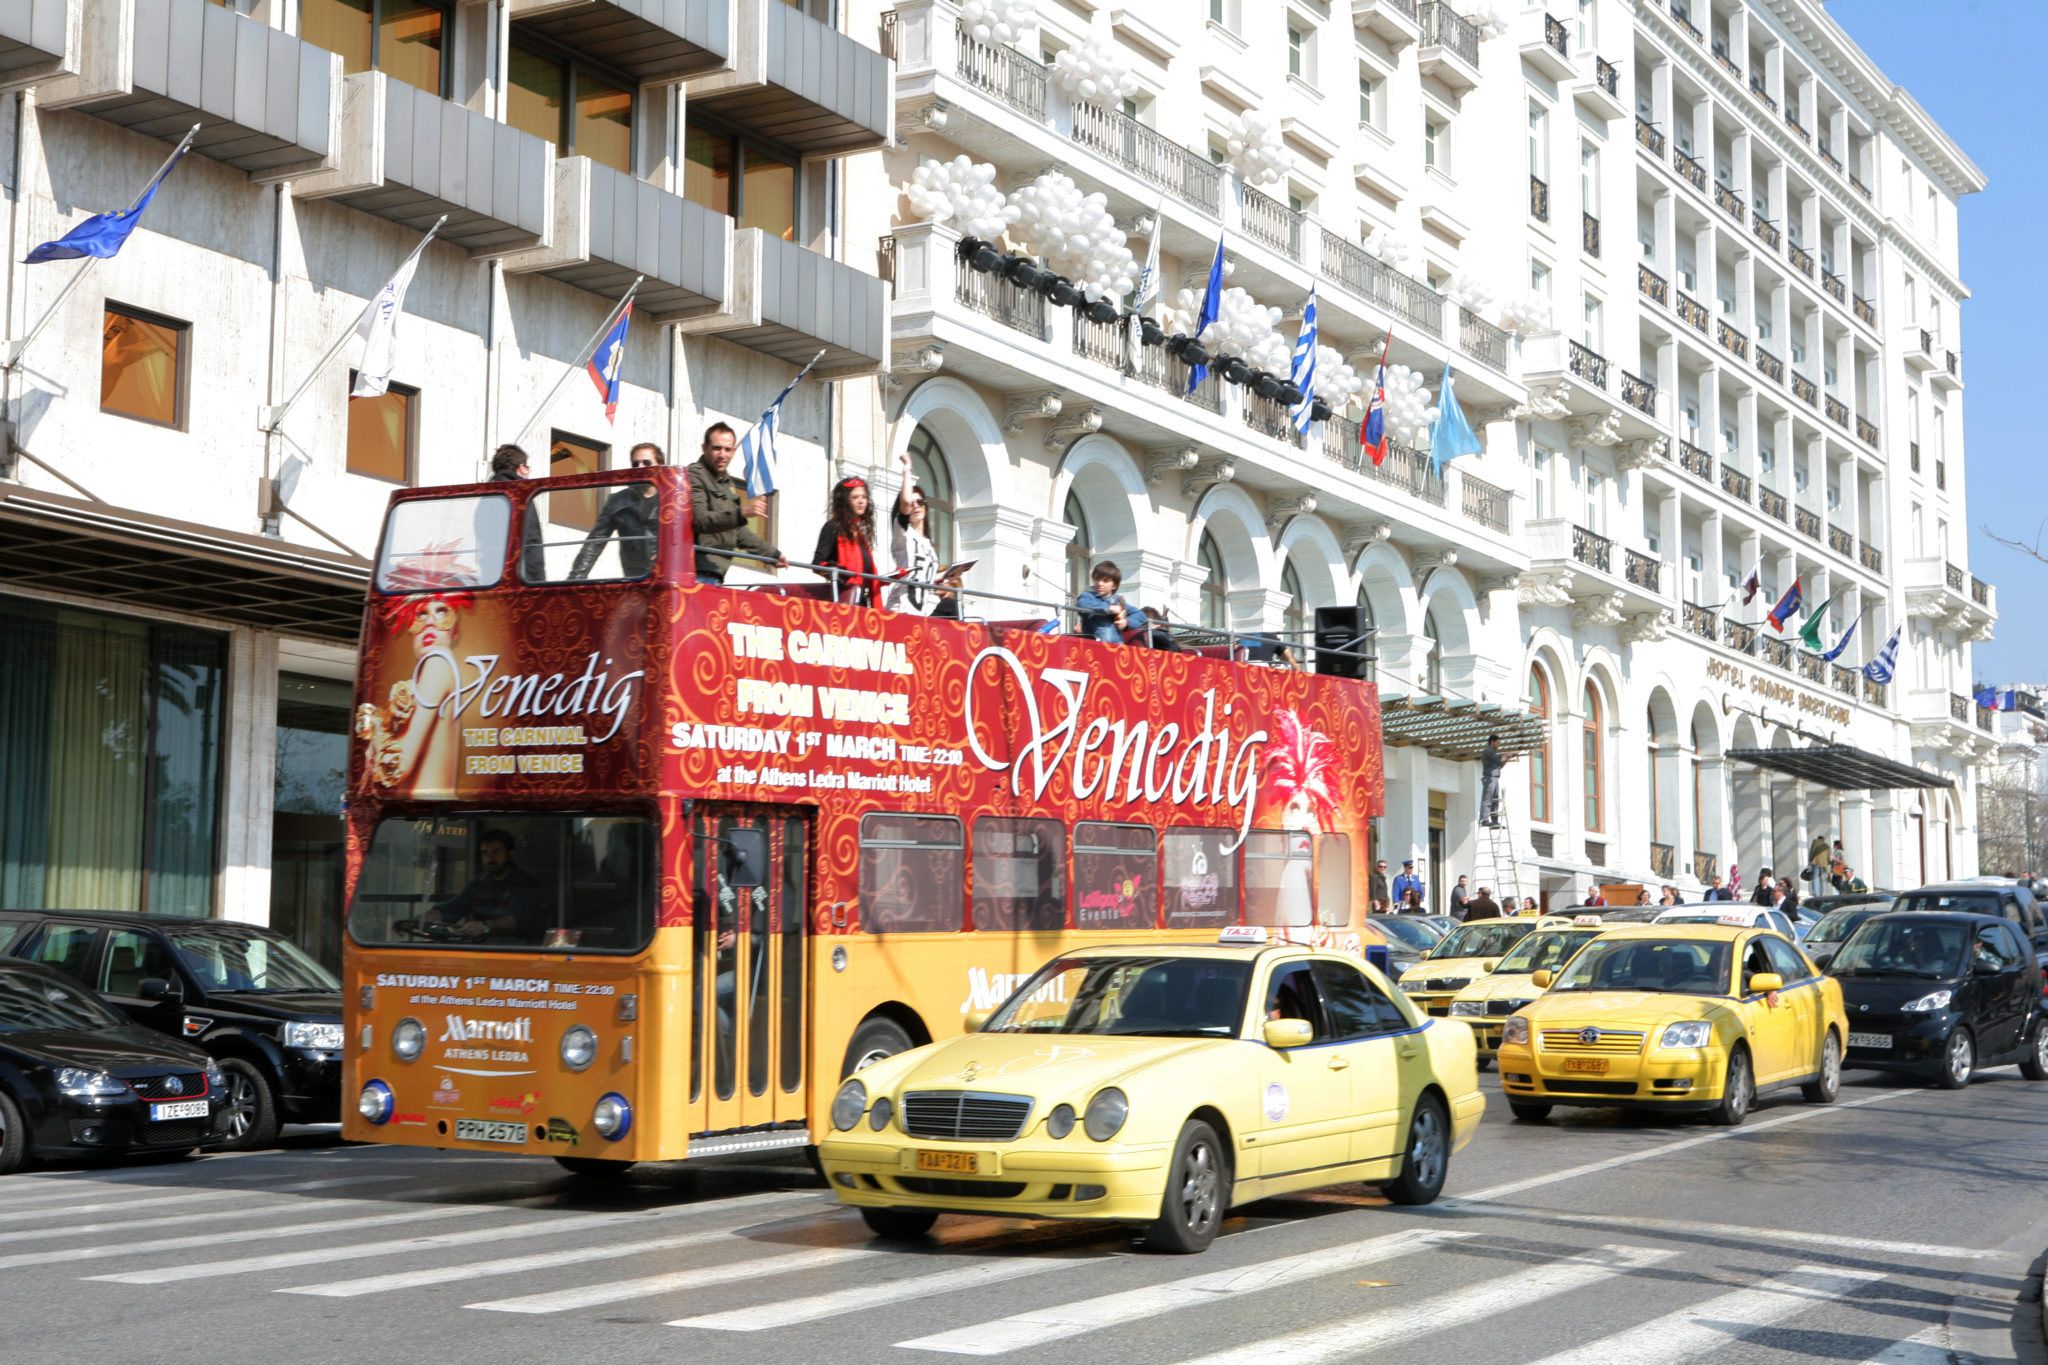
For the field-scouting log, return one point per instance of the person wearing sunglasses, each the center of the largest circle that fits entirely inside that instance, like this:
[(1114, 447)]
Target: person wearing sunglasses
[(631, 513), (910, 544)]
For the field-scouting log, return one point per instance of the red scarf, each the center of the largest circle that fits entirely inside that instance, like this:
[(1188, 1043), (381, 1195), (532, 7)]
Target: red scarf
[(855, 554)]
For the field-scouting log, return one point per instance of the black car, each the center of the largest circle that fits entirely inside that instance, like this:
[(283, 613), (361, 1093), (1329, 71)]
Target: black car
[(1940, 994), (78, 1080), (1826, 938), (250, 997), (2000, 896)]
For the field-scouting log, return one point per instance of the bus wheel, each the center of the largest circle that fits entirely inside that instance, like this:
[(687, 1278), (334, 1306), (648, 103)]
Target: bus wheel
[(875, 1039), (594, 1166)]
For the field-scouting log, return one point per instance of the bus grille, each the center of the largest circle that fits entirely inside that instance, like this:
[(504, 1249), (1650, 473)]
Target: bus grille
[(965, 1115)]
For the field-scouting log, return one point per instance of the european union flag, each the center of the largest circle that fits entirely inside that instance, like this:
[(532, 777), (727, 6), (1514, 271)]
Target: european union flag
[(105, 234)]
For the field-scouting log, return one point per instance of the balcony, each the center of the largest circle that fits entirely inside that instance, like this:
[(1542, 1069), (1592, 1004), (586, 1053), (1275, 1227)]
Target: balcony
[(1370, 278), (1725, 62), (1482, 340), (1587, 364), (1739, 637), (1539, 200), (39, 41), (1777, 653), (1948, 375), (1696, 462), (1801, 259), (1837, 411), (799, 82), (1943, 595), (1813, 668), (1663, 861), (1705, 867), (610, 227), (1941, 473), (1639, 569), (1405, 470), (1827, 154), (1701, 621), (1804, 389), (1639, 393), (1547, 47), (1770, 365), (1756, 87), (410, 156), (1581, 382), (1766, 231), (266, 103), (1606, 584), (1681, 15), (1690, 171), (1155, 159), (1870, 557), (1003, 72), (1866, 430), (1732, 341), (1806, 522), (1692, 311), (1798, 129), (1832, 284), (1735, 483), (1601, 96), (809, 302), (1865, 309), (1268, 220), (1841, 542), (1873, 692), (1450, 47), (1648, 138), (1394, 21), (1919, 349), (1772, 504), (1485, 503), (1860, 187), (1589, 235), (1913, 453), (1730, 202), (653, 41), (1653, 286)]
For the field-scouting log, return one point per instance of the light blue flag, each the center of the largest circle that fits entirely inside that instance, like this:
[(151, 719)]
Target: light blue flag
[(1452, 435), (757, 448), (1879, 670), (1303, 372), (1843, 643), (1211, 302)]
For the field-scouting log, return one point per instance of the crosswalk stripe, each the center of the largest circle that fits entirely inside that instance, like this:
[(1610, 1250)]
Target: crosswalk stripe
[(1041, 1325), (1739, 1231), (790, 1312), (316, 1229), (1922, 1348), (57, 1208), (1488, 1299), (292, 1207), (1719, 1322), (615, 1291)]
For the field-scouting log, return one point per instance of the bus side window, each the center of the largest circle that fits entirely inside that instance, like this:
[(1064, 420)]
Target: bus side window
[(913, 874), (1116, 874), (1278, 869), (1020, 873), (1198, 878), (1333, 880)]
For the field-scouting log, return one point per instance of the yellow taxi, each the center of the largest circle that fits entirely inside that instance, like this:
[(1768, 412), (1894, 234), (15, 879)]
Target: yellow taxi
[(1460, 958), (1507, 986), (1159, 1085), (1676, 1017)]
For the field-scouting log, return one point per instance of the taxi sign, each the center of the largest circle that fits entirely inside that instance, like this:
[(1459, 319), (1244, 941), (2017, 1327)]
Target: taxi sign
[(1587, 919), (1242, 933), (1739, 921)]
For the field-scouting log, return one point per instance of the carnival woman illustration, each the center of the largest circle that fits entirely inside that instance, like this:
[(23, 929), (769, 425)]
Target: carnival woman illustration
[(1300, 766), (410, 742)]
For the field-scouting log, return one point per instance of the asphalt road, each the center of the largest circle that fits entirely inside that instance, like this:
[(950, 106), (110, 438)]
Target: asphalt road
[(1901, 1225)]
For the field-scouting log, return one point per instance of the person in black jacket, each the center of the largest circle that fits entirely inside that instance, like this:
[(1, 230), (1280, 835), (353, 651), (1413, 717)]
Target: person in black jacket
[(509, 465), (1763, 893), (631, 513)]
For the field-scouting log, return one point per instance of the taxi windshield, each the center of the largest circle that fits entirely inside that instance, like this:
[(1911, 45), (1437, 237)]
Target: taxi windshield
[(1408, 932), (1490, 938), (1890, 947), (1150, 997), (1680, 966), (1546, 951)]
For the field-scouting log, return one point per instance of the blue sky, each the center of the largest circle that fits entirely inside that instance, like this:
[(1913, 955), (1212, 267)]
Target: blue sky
[(1979, 68)]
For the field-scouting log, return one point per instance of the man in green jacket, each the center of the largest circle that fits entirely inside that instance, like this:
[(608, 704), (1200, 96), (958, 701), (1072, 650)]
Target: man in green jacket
[(719, 508)]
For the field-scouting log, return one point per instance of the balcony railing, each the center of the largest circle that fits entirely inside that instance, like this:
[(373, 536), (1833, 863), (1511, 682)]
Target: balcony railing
[(1941, 473), (1653, 285), (1926, 342), (1951, 365), (1153, 366), (1801, 258), (1587, 364), (1778, 652), (1683, 18), (1268, 220), (1870, 556), (1730, 202), (1592, 549), (1589, 234), (1705, 867), (1837, 410), (1841, 542), (1485, 504), (1866, 430), (1959, 707), (1640, 569), (1268, 417), (1663, 861), (1372, 279), (1861, 188), (1843, 680), (1865, 309), (1692, 311), (1739, 637), (1873, 691), (1556, 36), (1913, 450), (1003, 72), (1639, 393), (1806, 522), (1695, 461), (1648, 137), (1980, 592), (1832, 283), (1984, 718), (996, 296), (1444, 27), (1792, 122), (1727, 63), (1756, 87), (1827, 154), (1765, 230), (1105, 343), (1411, 471), (1539, 200), (1701, 621), (1690, 169), (1731, 340), (1770, 364), (1734, 483), (1150, 155), (1812, 667), (1953, 577), (1771, 504), (1482, 340), (1606, 76), (1803, 389)]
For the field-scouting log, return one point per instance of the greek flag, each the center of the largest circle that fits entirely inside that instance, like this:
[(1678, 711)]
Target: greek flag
[(1303, 373), (1879, 670), (757, 447)]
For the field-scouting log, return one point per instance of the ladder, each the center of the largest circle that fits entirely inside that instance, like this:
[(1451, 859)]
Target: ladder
[(1496, 866)]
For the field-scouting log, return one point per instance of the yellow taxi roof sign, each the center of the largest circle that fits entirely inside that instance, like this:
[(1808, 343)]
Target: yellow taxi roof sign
[(1238, 935)]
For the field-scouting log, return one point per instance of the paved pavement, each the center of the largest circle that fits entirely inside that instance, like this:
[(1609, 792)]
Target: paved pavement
[(1899, 1226)]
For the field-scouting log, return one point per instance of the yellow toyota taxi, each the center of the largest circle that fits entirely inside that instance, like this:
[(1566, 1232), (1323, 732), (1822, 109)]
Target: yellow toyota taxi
[(1508, 986), (1159, 1085), (1676, 1017), (1458, 960)]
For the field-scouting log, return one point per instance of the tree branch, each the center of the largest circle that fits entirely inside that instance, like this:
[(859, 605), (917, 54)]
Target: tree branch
[(2034, 549)]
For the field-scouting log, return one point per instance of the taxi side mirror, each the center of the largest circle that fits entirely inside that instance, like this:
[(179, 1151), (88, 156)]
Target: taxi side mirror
[(975, 1021), (1488, 966), (1763, 983), (1540, 980), (1286, 1033)]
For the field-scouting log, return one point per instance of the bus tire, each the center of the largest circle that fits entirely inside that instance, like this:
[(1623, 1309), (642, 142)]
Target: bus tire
[(594, 1166), (899, 1225), (875, 1039)]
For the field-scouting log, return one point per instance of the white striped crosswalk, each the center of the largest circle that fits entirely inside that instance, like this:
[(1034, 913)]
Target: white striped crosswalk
[(1693, 1332)]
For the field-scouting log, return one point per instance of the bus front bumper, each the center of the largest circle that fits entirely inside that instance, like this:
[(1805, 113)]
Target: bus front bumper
[(1119, 1183)]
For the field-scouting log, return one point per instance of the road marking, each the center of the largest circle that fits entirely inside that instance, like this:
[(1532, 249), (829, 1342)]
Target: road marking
[(50, 1257), (1733, 1231), (1496, 1298), (327, 1184), (1719, 1322), (790, 1312), (294, 1208), (1042, 1325), (1922, 1348), (15, 1215), (615, 1291)]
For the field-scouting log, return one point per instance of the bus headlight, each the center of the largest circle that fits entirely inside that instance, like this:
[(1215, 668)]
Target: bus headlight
[(1106, 1114), (579, 1047), (375, 1102), (408, 1040), (612, 1117), (848, 1105), (1516, 1030)]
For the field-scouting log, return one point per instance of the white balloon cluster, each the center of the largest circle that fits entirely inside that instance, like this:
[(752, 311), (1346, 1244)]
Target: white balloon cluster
[(1468, 290), (1527, 315), (1095, 71), (1391, 247), (998, 21), (1243, 327), (1075, 234), (1257, 152), (1491, 17), (1410, 413), (1337, 383), (961, 192)]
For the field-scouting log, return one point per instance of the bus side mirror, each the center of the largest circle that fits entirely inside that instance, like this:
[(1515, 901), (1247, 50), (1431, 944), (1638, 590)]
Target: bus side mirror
[(746, 858)]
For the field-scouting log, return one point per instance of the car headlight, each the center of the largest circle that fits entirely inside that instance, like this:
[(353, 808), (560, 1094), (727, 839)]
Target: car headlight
[(1692, 1033), (1466, 1008), (93, 1085), (612, 1117), (316, 1037), (1106, 1114), (216, 1079), (848, 1105), (1516, 1030), (375, 1102), (1927, 1004), (879, 1116), (1060, 1121), (408, 1040), (579, 1047)]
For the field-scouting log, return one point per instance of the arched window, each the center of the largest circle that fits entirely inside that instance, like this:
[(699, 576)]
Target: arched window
[(1081, 549), (1699, 838), (1433, 666), (1539, 757), (1296, 620), (928, 468), (1589, 750), (1656, 778), (1369, 643), (1215, 585)]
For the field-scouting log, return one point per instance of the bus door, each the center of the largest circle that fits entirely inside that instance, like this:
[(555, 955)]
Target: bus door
[(750, 904)]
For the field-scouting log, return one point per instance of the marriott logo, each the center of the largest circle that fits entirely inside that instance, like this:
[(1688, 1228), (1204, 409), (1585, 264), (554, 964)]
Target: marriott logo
[(461, 1030)]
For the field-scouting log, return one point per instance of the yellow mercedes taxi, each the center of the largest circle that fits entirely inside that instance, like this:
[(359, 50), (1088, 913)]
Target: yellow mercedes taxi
[(1508, 985), (1676, 1017), (1460, 958), (1159, 1085)]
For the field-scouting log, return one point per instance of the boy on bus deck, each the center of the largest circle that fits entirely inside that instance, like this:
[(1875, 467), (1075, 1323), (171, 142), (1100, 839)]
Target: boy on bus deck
[(1104, 613)]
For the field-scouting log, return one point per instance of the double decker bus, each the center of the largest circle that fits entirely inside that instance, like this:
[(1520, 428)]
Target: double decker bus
[(640, 869)]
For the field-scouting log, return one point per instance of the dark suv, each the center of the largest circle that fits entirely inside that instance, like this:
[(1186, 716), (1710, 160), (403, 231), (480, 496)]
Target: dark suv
[(250, 997)]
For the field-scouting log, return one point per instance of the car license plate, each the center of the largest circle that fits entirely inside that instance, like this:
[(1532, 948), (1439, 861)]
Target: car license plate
[(181, 1109), (489, 1130), (1881, 1040), (953, 1163), (1594, 1066)]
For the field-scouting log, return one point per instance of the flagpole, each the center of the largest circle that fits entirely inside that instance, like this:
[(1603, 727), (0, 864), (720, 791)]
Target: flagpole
[(583, 355), (789, 389), (14, 350), (273, 418)]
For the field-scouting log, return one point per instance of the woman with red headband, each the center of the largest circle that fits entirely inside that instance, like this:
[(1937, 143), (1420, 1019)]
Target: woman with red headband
[(847, 541)]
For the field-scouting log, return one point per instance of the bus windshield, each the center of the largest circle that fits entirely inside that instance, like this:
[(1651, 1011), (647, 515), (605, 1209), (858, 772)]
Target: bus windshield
[(1489, 938), (1153, 997), (499, 880)]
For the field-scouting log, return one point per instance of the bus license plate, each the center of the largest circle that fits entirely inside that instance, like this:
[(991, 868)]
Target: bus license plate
[(489, 1130), (953, 1163), (1591, 1066), (1879, 1040), (181, 1109)]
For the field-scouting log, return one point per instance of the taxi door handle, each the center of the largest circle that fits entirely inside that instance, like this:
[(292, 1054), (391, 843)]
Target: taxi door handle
[(1338, 1061)]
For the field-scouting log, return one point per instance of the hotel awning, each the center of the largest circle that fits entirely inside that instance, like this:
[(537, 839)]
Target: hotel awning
[(1456, 727), (1841, 767)]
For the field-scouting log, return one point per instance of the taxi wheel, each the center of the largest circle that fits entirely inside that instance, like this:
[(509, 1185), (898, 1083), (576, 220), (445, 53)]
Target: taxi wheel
[(1529, 1113), (1738, 1091), (13, 1137), (252, 1111), (899, 1225), (594, 1166), (1824, 1090), (1958, 1060), (1197, 1193), (2035, 1067), (872, 1041), (1427, 1159), (1484, 1063)]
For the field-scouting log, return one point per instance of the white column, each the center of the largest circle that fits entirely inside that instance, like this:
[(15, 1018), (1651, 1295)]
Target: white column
[(249, 759)]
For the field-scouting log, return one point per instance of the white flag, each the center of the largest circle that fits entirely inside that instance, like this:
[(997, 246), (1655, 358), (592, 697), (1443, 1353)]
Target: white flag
[(379, 328), (1146, 296)]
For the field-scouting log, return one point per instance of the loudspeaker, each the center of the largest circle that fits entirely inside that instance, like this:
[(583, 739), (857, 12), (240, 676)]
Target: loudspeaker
[(1339, 628)]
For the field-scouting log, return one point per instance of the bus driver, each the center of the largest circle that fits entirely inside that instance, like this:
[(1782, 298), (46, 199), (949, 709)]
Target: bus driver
[(503, 900)]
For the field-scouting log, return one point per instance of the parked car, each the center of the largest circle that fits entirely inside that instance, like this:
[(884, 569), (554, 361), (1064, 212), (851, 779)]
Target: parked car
[(1463, 954), (2000, 896), (1826, 938), (1508, 985), (251, 998), (1941, 995), (1732, 913), (1409, 938), (79, 1080)]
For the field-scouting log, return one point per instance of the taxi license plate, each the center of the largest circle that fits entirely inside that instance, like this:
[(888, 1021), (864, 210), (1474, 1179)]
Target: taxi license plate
[(489, 1130), (181, 1109), (1883, 1040), (953, 1163), (1594, 1066)]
